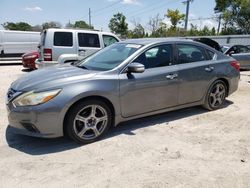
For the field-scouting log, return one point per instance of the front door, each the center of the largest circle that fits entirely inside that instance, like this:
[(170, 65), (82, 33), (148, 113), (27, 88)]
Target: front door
[(154, 89)]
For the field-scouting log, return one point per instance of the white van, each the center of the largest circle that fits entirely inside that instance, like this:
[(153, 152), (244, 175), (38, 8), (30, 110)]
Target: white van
[(16, 43), (73, 43)]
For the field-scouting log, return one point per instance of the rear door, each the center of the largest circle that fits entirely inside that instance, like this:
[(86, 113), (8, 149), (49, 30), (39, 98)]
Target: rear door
[(88, 43), (196, 69), (63, 43)]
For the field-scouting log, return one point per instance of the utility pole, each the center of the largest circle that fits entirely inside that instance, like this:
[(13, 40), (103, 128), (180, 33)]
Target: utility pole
[(187, 12), (89, 17), (218, 29)]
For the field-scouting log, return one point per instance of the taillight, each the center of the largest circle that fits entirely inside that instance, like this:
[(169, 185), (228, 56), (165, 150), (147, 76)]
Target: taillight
[(235, 64), (47, 54)]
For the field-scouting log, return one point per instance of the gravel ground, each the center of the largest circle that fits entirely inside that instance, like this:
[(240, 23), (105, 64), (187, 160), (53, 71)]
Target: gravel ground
[(185, 148)]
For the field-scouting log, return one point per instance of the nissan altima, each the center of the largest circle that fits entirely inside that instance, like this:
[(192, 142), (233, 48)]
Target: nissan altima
[(127, 80)]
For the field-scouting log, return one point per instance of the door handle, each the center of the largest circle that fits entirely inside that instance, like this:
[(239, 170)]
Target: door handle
[(171, 76), (209, 69), (81, 50)]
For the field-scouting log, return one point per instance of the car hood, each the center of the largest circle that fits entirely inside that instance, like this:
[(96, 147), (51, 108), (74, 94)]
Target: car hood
[(50, 77)]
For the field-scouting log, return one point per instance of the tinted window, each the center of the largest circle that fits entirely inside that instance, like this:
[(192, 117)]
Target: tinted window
[(88, 40), (63, 39), (211, 55), (243, 49), (188, 53), (108, 40), (158, 56)]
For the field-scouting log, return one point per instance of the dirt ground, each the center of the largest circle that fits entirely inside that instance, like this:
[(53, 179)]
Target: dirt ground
[(186, 148)]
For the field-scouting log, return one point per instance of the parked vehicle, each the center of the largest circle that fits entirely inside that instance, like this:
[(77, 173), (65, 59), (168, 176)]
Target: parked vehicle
[(76, 44), (28, 59), (239, 52), (16, 43), (127, 80)]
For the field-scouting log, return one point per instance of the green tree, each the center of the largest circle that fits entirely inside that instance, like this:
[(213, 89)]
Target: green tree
[(235, 14), (175, 17), (20, 26), (82, 24), (137, 32), (51, 24), (118, 25)]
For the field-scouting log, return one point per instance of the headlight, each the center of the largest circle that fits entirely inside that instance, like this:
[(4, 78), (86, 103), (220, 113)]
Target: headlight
[(32, 98)]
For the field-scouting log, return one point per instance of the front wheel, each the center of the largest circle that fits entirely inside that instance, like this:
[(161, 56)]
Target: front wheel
[(216, 95), (87, 121)]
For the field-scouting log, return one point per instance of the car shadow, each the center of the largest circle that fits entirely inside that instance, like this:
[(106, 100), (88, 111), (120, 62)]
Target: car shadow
[(41, 146), (27, 70)]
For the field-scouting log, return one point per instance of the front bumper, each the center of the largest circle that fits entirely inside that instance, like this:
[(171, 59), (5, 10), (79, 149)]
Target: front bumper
[(41, 64), (39, 121)]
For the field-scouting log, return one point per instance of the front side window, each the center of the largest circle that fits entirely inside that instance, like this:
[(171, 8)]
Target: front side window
[(108, 40), (158, 56), (110, 57), (243, 49), (63, 39), (88, 40), (188, 53)]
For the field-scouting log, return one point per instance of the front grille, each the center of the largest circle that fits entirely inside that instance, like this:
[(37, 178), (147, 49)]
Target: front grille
[(30, 127)]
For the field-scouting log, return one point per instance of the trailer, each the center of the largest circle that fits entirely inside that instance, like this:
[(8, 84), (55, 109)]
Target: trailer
[(16, 43)]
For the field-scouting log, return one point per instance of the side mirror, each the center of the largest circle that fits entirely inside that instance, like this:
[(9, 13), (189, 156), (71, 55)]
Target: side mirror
[(135, 68)]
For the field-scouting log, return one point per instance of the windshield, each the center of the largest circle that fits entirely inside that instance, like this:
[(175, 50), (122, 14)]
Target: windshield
[(109, 58), (224, 48)]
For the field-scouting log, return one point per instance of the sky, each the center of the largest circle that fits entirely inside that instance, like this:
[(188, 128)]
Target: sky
[(39, 11)]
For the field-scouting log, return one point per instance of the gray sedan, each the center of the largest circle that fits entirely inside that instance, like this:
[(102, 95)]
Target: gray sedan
[(239, 52), (127, 80)]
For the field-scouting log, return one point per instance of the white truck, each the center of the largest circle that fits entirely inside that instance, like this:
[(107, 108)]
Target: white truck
[(67, 45), (16, 43)]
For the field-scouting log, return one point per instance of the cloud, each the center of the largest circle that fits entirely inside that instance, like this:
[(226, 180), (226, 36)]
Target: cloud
[(130, 2), (33, 9)]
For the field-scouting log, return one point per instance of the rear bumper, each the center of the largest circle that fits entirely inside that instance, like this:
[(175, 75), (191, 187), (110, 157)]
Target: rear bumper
[(29, 64), (234, 84), (41, 64)]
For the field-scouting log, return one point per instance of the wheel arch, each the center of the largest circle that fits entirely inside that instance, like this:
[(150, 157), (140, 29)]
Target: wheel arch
[(94, 97), (226, 82)]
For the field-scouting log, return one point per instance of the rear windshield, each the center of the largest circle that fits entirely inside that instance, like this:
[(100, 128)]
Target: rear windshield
[(63, 39)]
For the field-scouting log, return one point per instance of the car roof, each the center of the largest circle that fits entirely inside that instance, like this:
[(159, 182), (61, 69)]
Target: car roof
[(79, 29), (147, 41)]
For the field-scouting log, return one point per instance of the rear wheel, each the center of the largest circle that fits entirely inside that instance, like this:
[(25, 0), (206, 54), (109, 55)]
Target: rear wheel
[(88, 121), (216, 95)]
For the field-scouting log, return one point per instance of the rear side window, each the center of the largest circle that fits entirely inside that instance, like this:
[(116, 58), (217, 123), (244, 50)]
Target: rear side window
[(108, 40), (211, 55), (188, 53), (63, 39), (88, 40)]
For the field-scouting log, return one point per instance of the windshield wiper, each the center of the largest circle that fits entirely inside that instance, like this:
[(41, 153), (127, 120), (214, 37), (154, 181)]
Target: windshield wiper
[(81, 66)]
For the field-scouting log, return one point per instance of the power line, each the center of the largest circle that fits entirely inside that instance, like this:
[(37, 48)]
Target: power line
[(107, 7), (209, 18), (149, 9)]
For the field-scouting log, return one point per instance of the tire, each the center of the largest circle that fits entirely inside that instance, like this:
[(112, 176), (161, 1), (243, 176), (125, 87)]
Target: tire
[(216, 95), (88, 121)]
